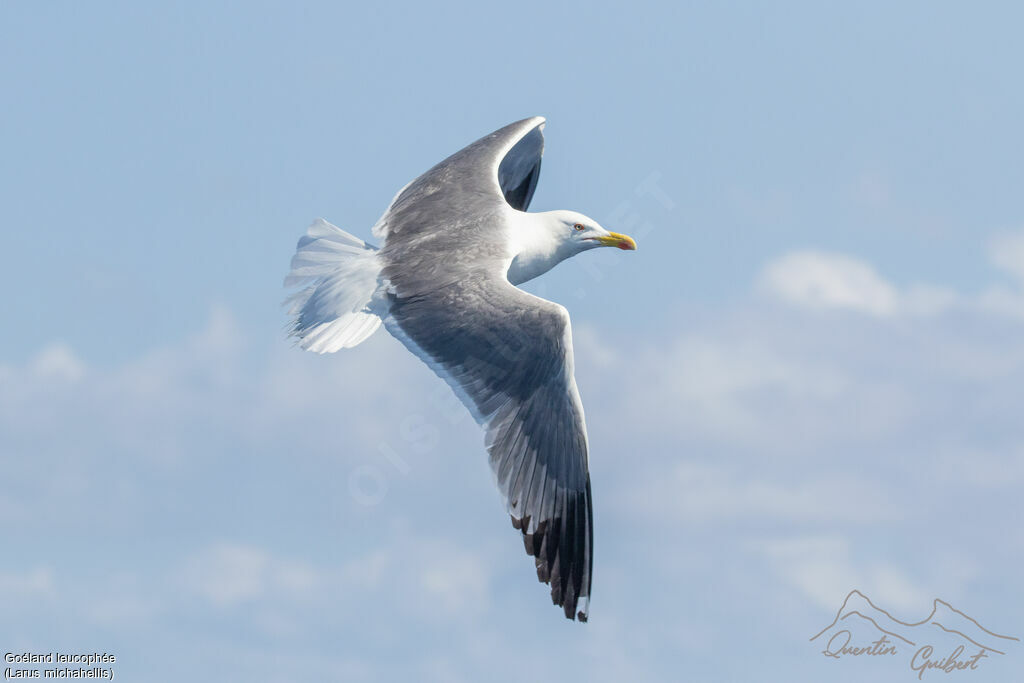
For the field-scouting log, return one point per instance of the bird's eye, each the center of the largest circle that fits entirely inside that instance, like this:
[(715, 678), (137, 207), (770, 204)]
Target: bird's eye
[(578, 226)]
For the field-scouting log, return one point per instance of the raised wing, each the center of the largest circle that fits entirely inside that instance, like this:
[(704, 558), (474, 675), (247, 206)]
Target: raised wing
[(519, 168), (497, 170), (508, 355)]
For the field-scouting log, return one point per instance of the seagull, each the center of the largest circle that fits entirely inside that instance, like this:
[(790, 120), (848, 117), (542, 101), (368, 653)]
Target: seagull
[(455, 243)]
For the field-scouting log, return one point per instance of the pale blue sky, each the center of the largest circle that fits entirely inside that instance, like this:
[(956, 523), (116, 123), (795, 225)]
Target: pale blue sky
[(807, 380)]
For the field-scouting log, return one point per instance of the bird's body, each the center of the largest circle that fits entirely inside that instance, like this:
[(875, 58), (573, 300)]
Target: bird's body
[(456, 241)]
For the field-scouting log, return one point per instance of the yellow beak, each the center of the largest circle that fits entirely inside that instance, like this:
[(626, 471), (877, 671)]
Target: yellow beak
[(615, 239)]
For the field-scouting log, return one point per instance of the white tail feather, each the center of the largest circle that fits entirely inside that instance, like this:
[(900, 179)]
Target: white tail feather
[(338, 273)]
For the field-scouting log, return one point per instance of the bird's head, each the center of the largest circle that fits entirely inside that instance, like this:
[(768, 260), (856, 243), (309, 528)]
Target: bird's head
[(542, 240), (580, 233)]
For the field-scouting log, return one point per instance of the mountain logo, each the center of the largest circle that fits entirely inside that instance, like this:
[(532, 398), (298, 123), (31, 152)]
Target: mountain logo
[(947, 640)]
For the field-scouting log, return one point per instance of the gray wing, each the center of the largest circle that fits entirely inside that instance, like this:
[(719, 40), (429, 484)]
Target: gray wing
[(496, 171), (508, 355)]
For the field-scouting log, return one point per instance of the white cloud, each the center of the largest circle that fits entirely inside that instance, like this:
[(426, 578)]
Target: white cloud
[(987, 469), (824, 570), (431, 578), (695, 493), (822, 280), (716, 369), (229, 574), (1002, 301), (818, 280), (928, 300), (456, 580), (57, 362), (784, 388), (425, 578), (122, 599), (168, 402), (1006, 252), (32, 584), (714, 383)]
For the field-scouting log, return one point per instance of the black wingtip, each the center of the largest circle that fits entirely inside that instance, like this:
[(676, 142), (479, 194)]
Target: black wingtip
[(561, 547)]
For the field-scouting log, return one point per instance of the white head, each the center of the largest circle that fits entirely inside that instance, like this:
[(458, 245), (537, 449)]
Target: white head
[(580, 233), (542, 240)]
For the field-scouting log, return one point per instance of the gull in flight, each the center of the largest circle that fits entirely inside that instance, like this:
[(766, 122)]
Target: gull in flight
[(455, 242)]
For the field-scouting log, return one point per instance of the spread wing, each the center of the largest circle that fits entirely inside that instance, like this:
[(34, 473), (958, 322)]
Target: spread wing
[(508, 355)]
